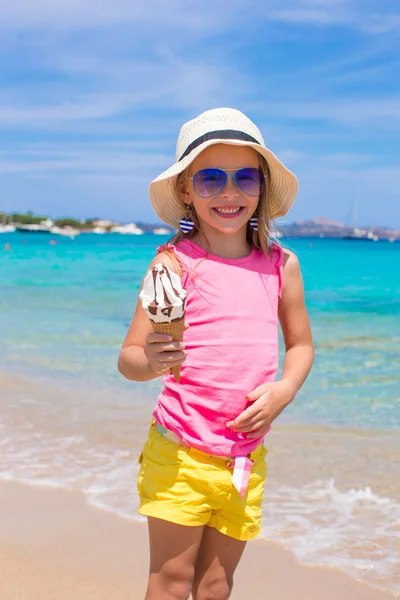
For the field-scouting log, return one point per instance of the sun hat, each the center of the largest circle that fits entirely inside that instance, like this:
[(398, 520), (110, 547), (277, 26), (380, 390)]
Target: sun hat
[(216, 126)]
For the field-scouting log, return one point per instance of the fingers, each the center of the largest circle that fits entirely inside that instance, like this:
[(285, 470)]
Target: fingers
[(259, 391), (164, 361), (250, 429), (248, 417), (161, 342), (247, 428), (164, 366), (170, 347), (163, 352), (171, 357), (263, 428), (250, 425), (153, 338)]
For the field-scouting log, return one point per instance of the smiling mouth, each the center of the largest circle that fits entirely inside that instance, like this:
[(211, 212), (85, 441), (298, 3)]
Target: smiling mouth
[(229, 212)]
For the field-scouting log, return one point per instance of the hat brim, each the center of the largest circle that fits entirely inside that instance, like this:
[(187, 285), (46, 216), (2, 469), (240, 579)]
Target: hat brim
[(170, 209)]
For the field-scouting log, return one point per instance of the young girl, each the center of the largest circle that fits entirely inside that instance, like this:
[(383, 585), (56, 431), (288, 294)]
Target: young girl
[(203, 465)]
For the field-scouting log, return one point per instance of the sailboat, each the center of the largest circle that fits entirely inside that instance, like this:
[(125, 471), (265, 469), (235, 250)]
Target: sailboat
[(4, 228), (366, 235), (359, 234)]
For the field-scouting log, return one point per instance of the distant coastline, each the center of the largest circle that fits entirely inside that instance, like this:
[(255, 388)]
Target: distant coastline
[(311, 228)]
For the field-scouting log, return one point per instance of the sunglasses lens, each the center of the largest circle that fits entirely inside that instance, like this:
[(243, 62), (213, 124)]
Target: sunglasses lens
[(208, 182), (251, 181)]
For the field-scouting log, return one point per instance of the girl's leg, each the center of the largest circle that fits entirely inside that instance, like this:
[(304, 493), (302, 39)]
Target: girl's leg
[(173, 552), (216, 562)]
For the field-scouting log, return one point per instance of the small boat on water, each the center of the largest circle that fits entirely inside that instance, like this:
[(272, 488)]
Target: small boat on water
[(129, 229), (65, 231), (42, 227), (7, 228), (362, 234), (33, 228), (162, 231)]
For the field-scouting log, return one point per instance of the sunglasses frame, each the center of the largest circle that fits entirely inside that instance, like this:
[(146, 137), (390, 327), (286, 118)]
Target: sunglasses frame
[(231, 173)]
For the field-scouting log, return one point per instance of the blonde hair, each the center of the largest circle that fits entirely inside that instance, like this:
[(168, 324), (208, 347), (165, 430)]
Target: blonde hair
[(259, 239)]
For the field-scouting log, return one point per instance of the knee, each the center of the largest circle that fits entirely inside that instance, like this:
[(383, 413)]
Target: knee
[(172, 581), (217, 587)]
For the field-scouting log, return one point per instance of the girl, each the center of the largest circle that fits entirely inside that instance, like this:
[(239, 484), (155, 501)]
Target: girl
[(203, 466)]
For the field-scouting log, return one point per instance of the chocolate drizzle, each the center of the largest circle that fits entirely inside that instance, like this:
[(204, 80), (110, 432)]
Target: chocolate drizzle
[(153, 305)]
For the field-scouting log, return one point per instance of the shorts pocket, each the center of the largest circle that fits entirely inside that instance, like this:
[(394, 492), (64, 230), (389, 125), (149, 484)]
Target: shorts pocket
[(259, 471), (144, 476), (163, 452)]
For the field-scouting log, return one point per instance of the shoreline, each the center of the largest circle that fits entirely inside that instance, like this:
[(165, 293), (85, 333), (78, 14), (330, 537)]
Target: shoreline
[(54, 545)]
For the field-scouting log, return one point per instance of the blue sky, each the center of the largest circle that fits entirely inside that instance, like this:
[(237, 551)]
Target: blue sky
[(93, 93)]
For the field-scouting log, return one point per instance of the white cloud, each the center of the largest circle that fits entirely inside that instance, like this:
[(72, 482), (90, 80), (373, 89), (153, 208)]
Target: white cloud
[(75, 14), (368, 17), (87, 108), (188, 17), (167, 82), (306, 15), (90, 158), (350, 112)]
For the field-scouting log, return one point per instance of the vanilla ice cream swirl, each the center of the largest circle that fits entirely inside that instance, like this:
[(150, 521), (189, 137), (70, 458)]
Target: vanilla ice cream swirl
[(163, 298)]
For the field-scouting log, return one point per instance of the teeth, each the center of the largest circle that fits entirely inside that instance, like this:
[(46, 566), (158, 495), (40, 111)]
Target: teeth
[(225, 211)]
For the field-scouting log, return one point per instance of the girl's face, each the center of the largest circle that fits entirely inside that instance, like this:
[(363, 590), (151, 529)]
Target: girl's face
[(212, 211)]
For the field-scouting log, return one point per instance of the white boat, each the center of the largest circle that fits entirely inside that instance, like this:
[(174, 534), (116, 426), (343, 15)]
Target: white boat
[(372, 236), (33, 228), (362, 234), (161, 231), (66, 231), (129, 229), (43, 227), (7, 228)]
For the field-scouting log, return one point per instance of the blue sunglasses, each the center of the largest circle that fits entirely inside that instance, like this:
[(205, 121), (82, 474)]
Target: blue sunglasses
[(209, 182)]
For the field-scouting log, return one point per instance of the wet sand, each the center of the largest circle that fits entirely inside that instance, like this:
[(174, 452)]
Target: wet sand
[(53, 546)]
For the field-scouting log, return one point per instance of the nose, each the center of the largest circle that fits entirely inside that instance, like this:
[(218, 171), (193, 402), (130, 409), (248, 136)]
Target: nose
[(230, 190)]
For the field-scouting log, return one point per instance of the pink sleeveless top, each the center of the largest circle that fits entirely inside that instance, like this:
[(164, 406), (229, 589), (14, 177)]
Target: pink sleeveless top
[(231, 345)]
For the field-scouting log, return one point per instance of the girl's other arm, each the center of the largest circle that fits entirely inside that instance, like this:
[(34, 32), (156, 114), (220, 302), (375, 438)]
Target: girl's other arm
[(270, 399), (295, 326), (144, 354)]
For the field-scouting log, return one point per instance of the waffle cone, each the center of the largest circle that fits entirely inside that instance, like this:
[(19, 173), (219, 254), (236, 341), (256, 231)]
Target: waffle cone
[(175, 329)]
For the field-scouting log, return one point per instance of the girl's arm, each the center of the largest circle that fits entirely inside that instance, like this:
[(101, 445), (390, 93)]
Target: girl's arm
[(145, 354), (295, 326), (270, 399)]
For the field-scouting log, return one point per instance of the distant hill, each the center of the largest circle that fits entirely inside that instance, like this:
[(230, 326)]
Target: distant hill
[(318, 227)]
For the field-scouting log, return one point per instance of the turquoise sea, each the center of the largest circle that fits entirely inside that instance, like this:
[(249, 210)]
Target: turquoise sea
[(68, 418)]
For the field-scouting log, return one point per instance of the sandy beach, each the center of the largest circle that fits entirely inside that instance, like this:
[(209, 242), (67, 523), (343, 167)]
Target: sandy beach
[(53, 546)]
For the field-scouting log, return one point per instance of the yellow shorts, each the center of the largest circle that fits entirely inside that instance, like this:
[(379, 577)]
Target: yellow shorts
[(188, 487)]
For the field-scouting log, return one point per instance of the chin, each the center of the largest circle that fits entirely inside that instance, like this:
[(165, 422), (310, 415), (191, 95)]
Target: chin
[(232, 225)]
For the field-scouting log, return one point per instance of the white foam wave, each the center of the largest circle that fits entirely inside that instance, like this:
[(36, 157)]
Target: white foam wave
[(356, 530)]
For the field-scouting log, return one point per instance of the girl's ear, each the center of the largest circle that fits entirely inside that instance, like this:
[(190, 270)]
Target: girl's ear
[(183, 191)]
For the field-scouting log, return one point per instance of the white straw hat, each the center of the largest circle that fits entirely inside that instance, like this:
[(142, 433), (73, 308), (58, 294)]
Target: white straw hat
[(216, 126)]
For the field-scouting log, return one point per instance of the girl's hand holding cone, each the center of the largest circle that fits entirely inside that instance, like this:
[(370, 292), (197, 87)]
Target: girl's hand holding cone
[(164, 353), (164, 300)]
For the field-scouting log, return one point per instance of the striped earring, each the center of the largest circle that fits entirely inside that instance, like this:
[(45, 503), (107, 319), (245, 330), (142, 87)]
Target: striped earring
[(186, 223), (253, 223)]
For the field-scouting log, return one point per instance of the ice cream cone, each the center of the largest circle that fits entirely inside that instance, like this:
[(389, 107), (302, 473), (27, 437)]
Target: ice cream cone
[(164, 300), (175, 329)]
